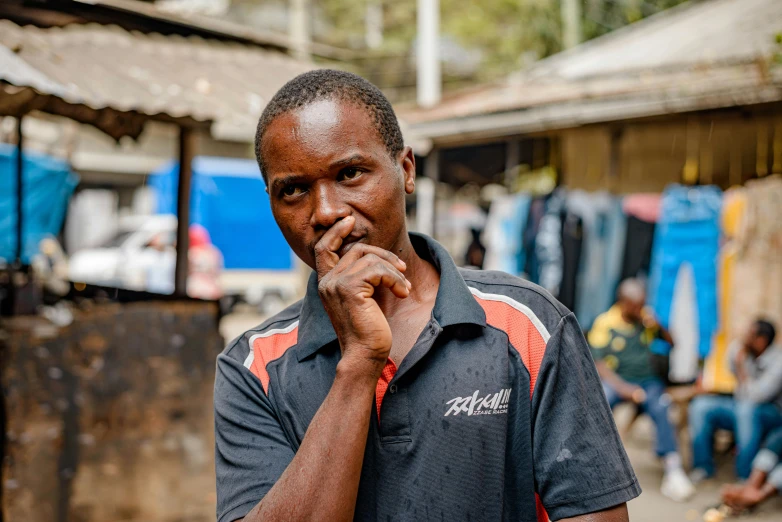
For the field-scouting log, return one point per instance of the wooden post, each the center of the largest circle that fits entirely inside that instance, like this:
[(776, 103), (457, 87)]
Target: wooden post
[(186, 150), (428, 73), (19, 191), (571, 23), (512, 161), (425, 190)]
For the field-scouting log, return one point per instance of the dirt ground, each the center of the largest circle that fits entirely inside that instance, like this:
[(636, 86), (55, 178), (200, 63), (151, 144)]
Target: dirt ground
[(651, 506)]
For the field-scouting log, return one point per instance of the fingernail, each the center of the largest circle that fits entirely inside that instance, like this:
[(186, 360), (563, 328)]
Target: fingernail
[(409, 284)]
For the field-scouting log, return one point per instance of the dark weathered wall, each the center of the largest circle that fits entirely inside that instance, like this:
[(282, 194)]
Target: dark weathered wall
[(110, 418)]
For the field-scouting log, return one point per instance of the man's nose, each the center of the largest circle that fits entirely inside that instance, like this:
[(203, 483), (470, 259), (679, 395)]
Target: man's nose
[(328, 207)]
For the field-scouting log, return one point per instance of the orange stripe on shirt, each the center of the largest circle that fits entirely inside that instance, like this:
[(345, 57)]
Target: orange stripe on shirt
[(522, 332), (528, 342), (267, 348), (389, 370)]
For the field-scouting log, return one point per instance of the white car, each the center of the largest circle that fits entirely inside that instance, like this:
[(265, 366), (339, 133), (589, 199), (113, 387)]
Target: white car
[(129, 260), (124, 260)]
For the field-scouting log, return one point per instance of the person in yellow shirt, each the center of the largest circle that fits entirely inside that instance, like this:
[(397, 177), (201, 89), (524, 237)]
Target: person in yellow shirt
[(620, 341)]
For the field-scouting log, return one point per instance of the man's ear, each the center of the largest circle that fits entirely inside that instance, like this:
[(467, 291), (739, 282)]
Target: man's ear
[(407, 164)]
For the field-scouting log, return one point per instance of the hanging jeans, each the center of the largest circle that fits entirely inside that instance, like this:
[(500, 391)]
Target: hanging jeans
[(688, 233), (529, 265), (656, 405), (601, 258), (748, 421), (503, 233), (548, 243)]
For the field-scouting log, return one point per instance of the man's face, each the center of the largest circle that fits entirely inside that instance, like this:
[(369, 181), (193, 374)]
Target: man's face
[(632, 309), (327, 161), (756, 344)]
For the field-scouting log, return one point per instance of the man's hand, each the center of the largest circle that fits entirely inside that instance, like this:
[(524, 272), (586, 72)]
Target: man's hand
[(347, 286), (650, 322), (321, 482), (633, 393)]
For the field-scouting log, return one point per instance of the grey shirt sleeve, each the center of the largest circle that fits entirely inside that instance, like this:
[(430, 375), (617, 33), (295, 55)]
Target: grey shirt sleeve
[(768, 386), (251, 448), (580, 463)]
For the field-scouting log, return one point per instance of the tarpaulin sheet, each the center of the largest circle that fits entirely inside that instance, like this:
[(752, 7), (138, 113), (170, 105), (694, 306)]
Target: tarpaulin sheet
[(229, 199), (48, 184)]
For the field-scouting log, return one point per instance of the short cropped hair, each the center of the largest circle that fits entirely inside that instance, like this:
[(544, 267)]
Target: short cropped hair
[(324, 84), (766, 330), (631, 289)]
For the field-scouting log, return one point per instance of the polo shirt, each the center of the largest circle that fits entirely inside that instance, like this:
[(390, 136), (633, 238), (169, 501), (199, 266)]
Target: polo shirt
[(496, 413), (624, 347)]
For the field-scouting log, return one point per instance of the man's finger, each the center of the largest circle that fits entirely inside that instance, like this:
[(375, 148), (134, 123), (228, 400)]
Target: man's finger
[(361, 250), (384, 274), (326, 257), (368, 261)]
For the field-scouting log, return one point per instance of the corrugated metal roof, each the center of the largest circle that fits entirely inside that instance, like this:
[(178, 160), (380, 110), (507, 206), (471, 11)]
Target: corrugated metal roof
[(701, 55), (699, 33), (115, 79)]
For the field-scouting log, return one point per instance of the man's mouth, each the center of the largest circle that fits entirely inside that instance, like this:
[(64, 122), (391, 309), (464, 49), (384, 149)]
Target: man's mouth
[(348, 243)]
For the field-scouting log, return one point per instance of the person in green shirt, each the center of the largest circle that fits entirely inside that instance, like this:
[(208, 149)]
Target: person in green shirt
[(620, 341)]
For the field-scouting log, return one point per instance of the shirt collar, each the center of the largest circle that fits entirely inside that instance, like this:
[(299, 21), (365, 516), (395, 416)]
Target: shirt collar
[(454, 303)]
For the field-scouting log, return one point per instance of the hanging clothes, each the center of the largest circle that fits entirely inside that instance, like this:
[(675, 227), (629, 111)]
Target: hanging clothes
[(604, 226), (687, 236), (757, 273), (503, 233), (644, 206), (528, 263), (548, 243), (572, 242), (642, 211), (717, 374)]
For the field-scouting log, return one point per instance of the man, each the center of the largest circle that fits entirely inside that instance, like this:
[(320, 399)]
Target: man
[(620, 340), (764, 482), (400, 388), (755, 409)]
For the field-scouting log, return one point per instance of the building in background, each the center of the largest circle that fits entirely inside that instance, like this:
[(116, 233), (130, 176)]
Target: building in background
[(167, 65), (691, 94)]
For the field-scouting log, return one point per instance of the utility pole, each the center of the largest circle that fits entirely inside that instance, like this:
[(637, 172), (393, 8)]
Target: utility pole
[(299, 29), (374, 24), (428, 53), (571, 23)]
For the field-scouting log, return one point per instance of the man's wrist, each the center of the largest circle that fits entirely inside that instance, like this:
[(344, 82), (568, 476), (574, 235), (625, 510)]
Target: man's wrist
[(360, 370)]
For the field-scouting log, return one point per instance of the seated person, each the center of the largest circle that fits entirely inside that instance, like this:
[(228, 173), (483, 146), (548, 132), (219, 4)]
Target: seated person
[(754, 410), (765, 480), (620, 340)]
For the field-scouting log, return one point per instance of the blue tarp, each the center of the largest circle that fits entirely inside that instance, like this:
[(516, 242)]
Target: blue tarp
[(48, 185), (229, 199)]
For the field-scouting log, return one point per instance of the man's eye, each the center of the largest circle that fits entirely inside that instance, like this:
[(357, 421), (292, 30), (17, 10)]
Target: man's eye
[(350, 173), (291, 190)]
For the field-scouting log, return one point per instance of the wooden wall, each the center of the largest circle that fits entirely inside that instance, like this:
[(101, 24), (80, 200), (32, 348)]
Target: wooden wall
[(718, 148)]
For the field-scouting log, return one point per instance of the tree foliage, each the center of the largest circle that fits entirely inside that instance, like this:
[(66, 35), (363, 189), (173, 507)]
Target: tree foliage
[(504, 34)]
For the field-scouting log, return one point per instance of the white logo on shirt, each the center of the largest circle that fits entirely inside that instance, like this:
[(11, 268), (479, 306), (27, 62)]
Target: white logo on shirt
[(492, 404)]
